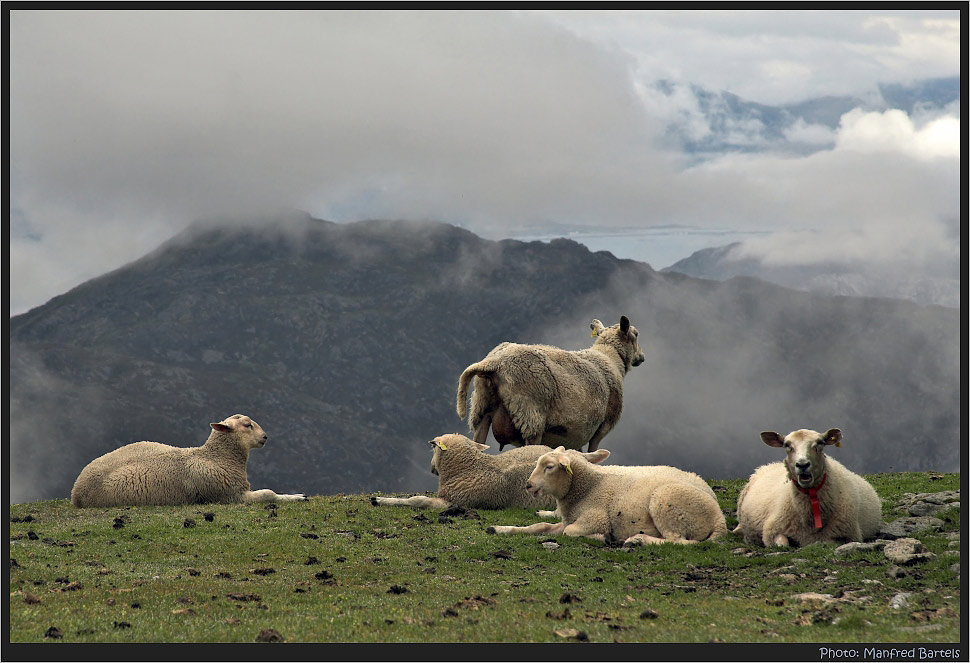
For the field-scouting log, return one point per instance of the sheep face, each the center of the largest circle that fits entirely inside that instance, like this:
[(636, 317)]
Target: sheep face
[(249, 434), (805, 450), (623, 338), (553, 473), (451, 443)]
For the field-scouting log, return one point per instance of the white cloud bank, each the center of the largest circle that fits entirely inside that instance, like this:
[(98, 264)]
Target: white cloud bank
[(126, 126)]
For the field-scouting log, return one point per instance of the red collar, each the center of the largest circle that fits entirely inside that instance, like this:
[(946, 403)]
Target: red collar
[(813, 496)]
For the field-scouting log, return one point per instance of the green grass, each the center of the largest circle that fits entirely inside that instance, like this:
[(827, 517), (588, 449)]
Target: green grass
[(336, 569)]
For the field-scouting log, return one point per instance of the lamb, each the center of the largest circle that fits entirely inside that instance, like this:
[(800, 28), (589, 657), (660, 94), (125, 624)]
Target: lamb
[(471, 479), (632, 505), (808, 498), (540, 394), (150, 473)]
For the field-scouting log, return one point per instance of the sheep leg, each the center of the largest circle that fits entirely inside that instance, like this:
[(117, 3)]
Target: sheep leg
[(594, 442), (774, 539), (267, 495), (578, 529), (419, 501), (481, 430), (645, 539), (538, 528), (548, 514)]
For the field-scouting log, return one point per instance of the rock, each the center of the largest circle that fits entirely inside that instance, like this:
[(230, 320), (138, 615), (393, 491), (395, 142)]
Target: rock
[(929, 508), (571, 633), (955, 568), (550, 545), (269, 635), (895, 572), (942, 497), (907, 551), (807, 597), (900, 601), (849, 548), (903, 527)]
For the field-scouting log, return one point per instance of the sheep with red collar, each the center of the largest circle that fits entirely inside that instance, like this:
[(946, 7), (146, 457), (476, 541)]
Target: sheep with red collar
[(151, 473), (807, 498), (540, 394)]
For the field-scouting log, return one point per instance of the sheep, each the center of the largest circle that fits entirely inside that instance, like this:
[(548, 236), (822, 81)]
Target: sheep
[(808, 498), (632, 505), (471, 479), (540, 394), (151, 473)]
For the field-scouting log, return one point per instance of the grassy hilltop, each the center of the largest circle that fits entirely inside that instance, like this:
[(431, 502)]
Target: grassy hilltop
[(337, 569)]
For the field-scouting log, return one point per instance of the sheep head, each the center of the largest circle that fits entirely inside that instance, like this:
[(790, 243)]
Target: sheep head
[(621, 337), (249, 434), (805, 450), (453, 442), (553, 473)]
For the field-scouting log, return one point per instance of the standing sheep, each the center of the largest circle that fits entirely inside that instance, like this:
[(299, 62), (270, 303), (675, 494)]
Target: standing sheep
[(539, 394), (146, 473), (472, 479), (635, 505), (808, 498)]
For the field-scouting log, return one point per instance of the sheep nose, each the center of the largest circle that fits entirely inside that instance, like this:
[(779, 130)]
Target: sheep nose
[(803, 464), (528, 485)]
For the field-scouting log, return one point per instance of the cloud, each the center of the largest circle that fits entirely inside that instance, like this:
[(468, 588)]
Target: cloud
[(893, 131), (127, 126), (779, 57)]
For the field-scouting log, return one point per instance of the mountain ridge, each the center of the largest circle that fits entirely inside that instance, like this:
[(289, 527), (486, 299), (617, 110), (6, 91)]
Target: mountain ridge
[(345, 342)]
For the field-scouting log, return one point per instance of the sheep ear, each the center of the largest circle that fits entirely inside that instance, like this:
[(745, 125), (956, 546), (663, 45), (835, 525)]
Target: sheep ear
[(561, 448), (624, 324), (772, 439), (597, 327), (597, 456), (220, 426), (564, 464), (440, 445), (833, 436), (481, 447)]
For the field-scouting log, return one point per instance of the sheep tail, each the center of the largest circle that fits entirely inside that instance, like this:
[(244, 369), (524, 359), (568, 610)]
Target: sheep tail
[(477, 368)]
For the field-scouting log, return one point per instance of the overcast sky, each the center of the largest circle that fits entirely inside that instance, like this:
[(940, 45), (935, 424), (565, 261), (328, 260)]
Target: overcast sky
[(125, 126)]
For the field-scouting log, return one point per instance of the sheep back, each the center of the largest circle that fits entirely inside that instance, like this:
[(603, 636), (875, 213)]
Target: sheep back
[(151, 473), (471, 478), (559, 396), (659, 501)]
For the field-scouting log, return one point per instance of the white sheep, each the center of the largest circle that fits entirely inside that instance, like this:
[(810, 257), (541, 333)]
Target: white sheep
[(634, 505), (540, 394), (472, 479), (808, 498), (146, 473)]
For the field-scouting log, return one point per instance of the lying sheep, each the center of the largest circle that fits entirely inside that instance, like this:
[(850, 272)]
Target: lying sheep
[(471, 479), (539, 394), (145, 473), (808, 498), (633, 505)]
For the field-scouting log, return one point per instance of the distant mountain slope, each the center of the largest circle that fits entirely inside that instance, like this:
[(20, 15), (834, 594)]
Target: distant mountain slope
[(721, 121), (726, 262), (345, 343)]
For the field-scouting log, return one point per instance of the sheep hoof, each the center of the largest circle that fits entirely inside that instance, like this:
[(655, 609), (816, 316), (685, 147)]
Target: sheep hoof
[(373, 500), (490, 530)]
